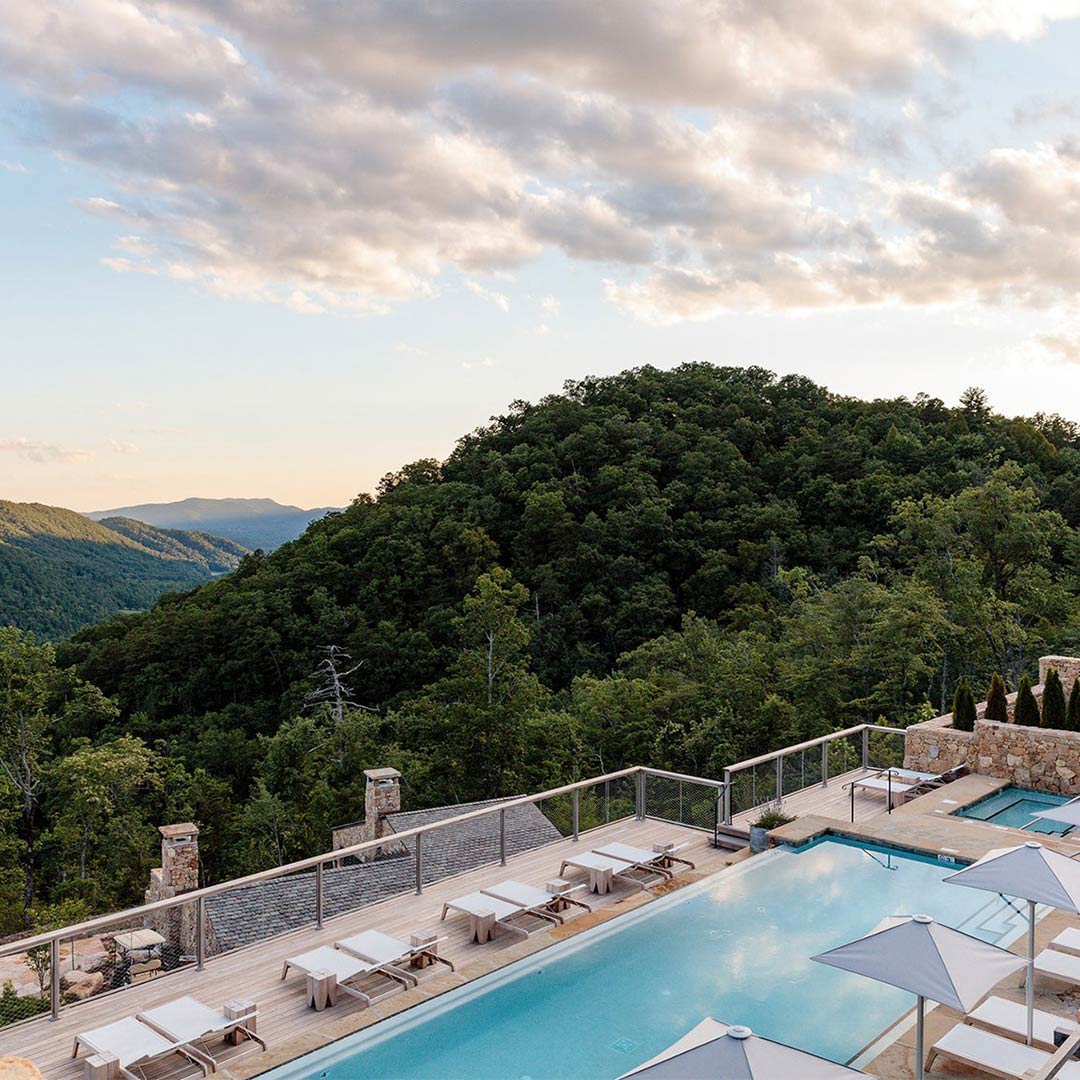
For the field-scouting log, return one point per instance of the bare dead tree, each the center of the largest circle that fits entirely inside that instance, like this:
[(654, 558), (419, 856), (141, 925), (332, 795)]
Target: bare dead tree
[(333, 690)]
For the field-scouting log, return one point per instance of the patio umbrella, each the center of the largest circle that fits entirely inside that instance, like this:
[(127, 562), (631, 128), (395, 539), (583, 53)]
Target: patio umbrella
[(1035, 874), (736, 1053), (928, 959), (1069, 812)]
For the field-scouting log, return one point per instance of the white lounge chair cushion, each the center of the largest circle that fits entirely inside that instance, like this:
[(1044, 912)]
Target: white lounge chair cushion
[(629, 853), (517, 892), (1011, 1016), (377, 947), (1067, 941), (997, 1054), (1059, 964), (479, 904), (324, 958), (186, 1019), (591, 860), (875, 783), (130, 1040)]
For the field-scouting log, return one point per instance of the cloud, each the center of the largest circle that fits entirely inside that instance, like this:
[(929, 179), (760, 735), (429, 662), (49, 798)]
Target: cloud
[(550, 304), (42, 452), (1064, 346), (121, 447), (14, 167), (706, 156), (129, 406), (501, 301)]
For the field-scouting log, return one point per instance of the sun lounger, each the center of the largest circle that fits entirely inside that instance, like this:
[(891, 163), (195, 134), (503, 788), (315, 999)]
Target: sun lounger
[(603, 870), (647, 860), (533, 899), (135, 1045), (1058, 965), (329, 970), (488, 914), (1068, 941), (383, 949), (1009, 1018), (186, 1020), (993, 1054)]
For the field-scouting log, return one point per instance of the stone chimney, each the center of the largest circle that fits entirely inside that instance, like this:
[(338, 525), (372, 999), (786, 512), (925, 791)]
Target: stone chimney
[(382, 797), (178, 874)]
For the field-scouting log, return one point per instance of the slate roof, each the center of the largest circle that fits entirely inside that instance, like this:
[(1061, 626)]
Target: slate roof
[(256, 912)]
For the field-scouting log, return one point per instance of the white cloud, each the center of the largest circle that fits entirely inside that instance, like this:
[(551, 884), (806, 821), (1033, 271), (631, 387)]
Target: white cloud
[(501, 301), (42, 452), (1064, 347), (14, 167), (550, 304), (121, 447)]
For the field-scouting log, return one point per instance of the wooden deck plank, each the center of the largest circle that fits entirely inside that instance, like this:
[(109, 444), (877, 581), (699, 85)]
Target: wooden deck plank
[(254, 972)]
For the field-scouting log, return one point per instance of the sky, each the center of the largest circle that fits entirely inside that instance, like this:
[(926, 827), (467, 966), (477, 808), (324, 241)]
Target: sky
[(282, 248)]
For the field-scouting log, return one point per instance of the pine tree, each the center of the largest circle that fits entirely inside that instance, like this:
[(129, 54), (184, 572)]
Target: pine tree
[(963, 716), (1027, 708), (1072, 715), (997, 707), (1053, 702)]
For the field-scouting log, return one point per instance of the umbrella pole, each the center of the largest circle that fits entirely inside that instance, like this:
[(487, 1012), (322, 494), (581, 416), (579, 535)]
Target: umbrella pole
[(1029, 992), (920, 1008)]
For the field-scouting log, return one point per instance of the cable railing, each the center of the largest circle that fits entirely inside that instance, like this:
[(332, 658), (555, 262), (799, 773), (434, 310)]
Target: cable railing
[(56, 969), (769, 778)]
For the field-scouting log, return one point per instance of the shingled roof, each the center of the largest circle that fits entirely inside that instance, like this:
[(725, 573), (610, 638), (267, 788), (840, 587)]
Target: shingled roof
[(256, 912)]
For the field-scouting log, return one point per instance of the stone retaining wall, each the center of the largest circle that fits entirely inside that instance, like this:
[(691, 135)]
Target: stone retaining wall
[(1031, 757)]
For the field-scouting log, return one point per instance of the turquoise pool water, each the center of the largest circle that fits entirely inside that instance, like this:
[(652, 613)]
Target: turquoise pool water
[(1015, 806), (737, 948)]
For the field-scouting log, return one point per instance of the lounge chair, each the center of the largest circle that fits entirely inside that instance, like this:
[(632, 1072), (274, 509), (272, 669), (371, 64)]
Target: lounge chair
[(1058, 965), (384, 950), (1068, 941), (603, 871), (1009, 1018), (188, 1021), (993, 1054), (342, 970), (488, 914), (532, 899), (643, 858), (135, 1045)]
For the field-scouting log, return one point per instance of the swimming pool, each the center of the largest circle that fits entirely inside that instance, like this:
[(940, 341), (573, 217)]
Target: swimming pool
[(1015, 807), (736, 947)]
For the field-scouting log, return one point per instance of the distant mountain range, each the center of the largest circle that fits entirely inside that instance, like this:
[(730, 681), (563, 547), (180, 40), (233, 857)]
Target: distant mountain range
[(60, 571), (255, 523)]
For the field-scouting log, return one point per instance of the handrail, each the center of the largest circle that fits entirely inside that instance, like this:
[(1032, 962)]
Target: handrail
[(774, 754), (686, 777), (102, 922)]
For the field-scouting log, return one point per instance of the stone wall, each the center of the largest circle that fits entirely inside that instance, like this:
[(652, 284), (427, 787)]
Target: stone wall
[(1031, 757)]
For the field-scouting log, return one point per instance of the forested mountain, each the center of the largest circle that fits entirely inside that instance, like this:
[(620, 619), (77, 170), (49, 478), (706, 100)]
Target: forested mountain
[(258, 524), (676, 567), (60, 571)]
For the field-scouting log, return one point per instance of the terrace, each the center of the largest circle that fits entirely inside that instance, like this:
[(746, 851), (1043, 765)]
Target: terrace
[(810, 782)]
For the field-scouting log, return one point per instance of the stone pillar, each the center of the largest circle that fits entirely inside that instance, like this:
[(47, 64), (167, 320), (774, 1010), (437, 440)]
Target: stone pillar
[(1067, 667), (178, 874), (382, 797)]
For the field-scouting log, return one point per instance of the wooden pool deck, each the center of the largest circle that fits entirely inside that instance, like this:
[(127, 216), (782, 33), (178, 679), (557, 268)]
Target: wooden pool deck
[(285, 1021), (832, 801)]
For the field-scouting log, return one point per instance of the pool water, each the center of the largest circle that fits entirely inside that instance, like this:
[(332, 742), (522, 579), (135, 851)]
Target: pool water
[(737, 947), (1016, 807)]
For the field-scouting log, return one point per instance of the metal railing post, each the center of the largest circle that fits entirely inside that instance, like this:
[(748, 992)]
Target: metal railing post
[(318, 895), (638, 795), (644, 794), (824, 764), (502, 837), (607, 802), (200, 933), (865, 748), (419, 864), (727, 796), (576, 812), (680, 802), (780, 780), (54, 977)]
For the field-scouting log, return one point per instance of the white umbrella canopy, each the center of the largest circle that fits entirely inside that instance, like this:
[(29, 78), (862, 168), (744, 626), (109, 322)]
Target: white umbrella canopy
[(928, 959), (1069, 813), (714, 1049), (1037, 875)]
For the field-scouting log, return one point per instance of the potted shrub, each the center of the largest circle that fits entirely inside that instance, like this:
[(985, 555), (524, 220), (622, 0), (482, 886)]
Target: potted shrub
[(759, 830)]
